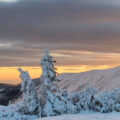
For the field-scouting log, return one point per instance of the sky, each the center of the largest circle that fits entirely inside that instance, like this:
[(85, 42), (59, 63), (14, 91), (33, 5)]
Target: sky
[(80, 34)]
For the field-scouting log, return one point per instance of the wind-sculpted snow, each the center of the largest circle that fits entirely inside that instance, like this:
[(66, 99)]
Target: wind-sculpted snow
[(101, 79)]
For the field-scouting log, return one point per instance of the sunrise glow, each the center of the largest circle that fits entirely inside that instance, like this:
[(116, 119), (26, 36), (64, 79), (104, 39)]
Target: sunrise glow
[(10, 75), (81, 35)]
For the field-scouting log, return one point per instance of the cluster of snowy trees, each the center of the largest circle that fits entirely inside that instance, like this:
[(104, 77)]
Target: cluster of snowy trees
[(107, 101), (50, 100), (91, 100)]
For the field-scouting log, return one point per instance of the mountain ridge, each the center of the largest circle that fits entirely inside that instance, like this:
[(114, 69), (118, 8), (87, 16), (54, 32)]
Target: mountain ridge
[(101, 79)]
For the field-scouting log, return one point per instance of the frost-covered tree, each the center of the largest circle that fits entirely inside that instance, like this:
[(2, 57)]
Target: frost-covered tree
[(116, 98), (48, 75), (83, 100), (88, 96), (30, 104), (46, 84), (104, 101), (68, 106), (53, 100), (47, 64), (108, 101)]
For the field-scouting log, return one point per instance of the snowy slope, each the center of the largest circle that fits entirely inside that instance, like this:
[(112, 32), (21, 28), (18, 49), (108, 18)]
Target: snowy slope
[(101, 79), (86, 116)]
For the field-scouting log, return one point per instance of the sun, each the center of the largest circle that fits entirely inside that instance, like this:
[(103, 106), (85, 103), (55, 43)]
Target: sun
[(8, 0)]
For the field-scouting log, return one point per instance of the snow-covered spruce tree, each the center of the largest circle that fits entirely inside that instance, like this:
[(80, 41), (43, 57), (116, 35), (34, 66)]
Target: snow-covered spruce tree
[(30, 104), (48, 75), (83, 100), (96, 103), (46, 96), (47, 64), (116, 98), (75, 99), (52, 99), (88, 96), (108, 101)]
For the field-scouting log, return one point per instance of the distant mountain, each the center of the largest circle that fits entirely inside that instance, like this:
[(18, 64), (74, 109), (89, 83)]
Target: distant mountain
[(101, 79), (72, 82), (11, 92)]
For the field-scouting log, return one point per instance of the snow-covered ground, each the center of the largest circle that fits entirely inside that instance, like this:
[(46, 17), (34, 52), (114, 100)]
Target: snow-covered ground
[(86, 116), (6, 113)]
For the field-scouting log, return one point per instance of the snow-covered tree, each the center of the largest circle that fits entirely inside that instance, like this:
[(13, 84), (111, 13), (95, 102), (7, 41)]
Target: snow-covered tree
[(88, 96), (30, 104), (104, 101), (83, 100), (48, 69), (108, 101), (116, 98), (50, 95)]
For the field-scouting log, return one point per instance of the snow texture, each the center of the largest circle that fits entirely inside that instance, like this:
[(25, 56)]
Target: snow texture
[(85, 116)]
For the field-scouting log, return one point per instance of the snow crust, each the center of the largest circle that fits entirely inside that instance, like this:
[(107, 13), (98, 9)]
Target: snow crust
[(85, 116)]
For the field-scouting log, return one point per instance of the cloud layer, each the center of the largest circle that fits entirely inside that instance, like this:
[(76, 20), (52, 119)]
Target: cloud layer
[(66, 27)]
